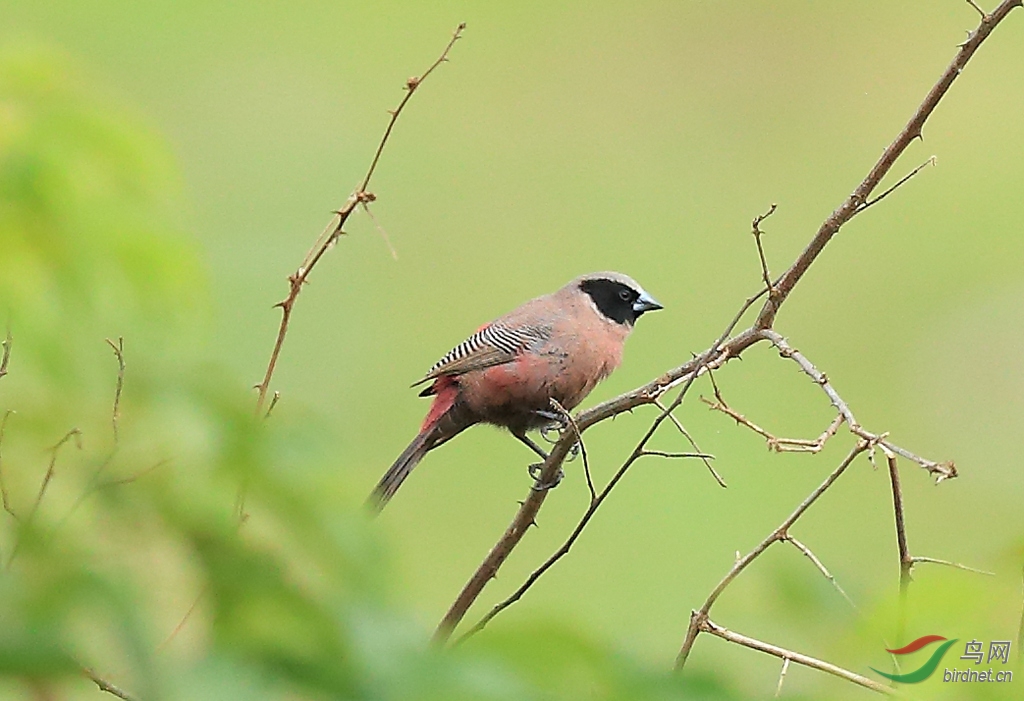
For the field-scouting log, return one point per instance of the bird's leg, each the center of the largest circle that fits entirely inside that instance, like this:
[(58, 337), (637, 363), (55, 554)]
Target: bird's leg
[(536, 468), (552, 432), (559, 423), (528, 442)]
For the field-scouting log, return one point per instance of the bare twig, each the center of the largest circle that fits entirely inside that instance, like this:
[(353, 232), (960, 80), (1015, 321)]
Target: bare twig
[(380, 230), (930, 162), (756, 231), (663, 454), (118, 481), (980, 11), (360, 196), (709, 626), (821, 568), (184, 619), (583, 448), (3, 486), (686, 434), (906, 561), (94, 480), (782, 676), (119, 354), (75, 434), (816, 561), (955, 565), (95, 485), (7, 344), (106, 686)]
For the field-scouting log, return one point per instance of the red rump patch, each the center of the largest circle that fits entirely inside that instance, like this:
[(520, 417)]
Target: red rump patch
[(447, 390)]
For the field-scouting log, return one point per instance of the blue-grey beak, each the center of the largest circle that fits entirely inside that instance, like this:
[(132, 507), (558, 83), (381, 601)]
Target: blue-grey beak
[(645, 303)]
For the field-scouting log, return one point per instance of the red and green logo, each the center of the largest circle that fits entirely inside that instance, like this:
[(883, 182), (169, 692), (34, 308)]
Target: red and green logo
[(925, 670)]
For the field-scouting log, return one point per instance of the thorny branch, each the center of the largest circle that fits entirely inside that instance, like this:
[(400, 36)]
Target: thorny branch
[(330, 235), (941, 471), (732, 347), (779, 445), (756, 231), (699, 618), (867, 443), (913, 130), (442, 634)]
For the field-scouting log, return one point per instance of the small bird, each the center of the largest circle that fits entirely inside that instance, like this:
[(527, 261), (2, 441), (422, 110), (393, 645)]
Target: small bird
[(558, 346)]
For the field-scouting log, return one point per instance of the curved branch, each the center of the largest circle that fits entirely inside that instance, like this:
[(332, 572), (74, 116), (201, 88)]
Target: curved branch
[(334, 230)]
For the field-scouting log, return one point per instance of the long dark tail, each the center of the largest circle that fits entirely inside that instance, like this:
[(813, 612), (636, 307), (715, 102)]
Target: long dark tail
[(454, 421), (397, 473)]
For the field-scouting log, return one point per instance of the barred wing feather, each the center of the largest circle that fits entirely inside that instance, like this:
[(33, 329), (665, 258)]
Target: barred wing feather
[(494, 344)]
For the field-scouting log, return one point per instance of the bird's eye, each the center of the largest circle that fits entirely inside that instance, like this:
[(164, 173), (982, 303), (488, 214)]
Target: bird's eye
[(625, 295)]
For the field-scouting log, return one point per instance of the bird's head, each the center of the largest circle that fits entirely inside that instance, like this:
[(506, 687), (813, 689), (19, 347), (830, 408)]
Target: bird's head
[(617, 296)]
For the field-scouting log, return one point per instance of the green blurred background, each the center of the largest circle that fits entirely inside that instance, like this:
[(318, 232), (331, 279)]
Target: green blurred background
[(200, 147)]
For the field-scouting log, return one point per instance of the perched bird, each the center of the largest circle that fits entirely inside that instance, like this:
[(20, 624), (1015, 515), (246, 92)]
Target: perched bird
[(558, 346)]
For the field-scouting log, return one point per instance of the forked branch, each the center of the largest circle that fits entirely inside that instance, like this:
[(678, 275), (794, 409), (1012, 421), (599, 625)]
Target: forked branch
[(699, 618)]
